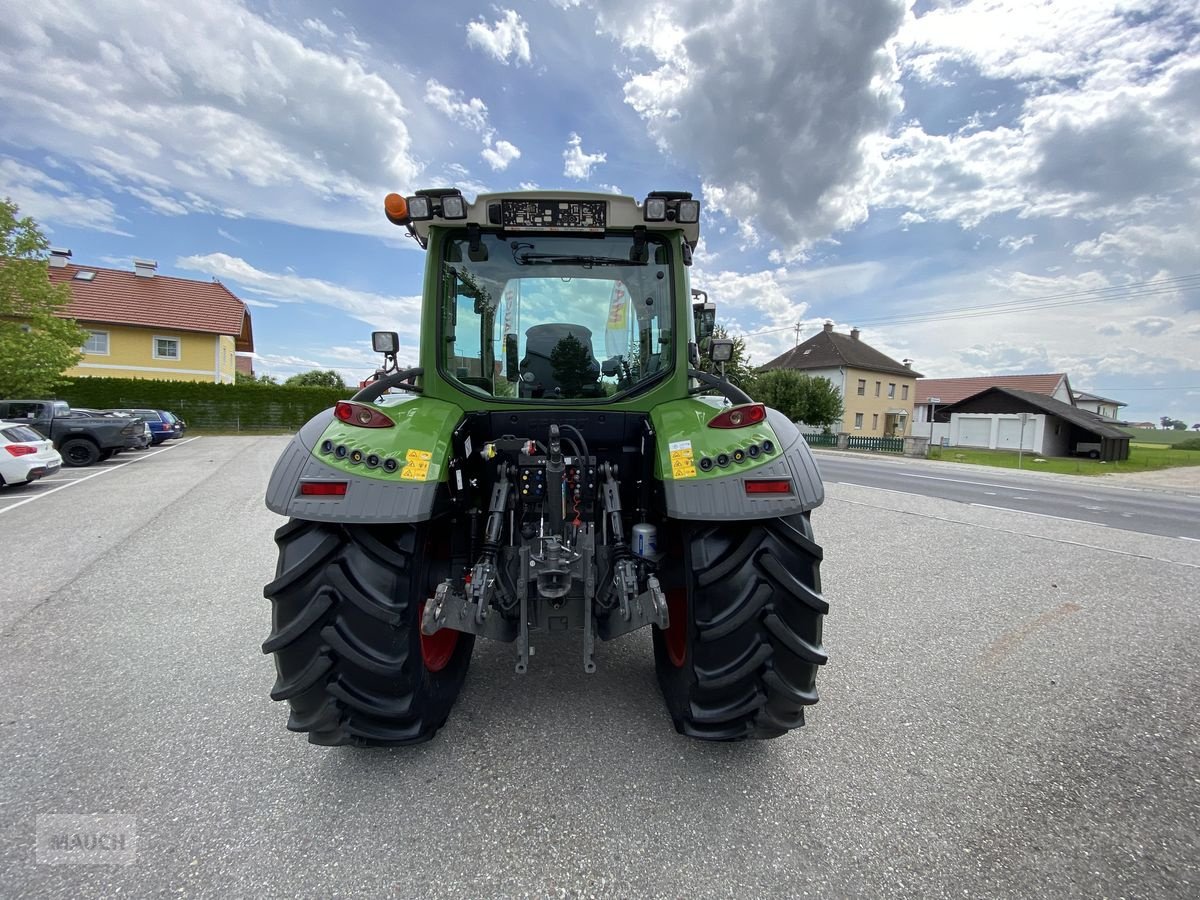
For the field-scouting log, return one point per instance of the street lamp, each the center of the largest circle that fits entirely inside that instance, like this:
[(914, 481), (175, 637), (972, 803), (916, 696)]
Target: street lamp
[(934, 401)]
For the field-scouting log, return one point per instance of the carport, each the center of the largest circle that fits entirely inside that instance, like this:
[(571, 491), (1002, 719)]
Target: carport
[(987, 420)]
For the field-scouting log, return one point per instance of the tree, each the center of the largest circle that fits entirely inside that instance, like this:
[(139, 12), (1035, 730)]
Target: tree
[(738, 370), (1166, 421), (246, 378), (1196, 427), (802, 398), (37, 344), (571, 363), (324, 378), (1178, 425)]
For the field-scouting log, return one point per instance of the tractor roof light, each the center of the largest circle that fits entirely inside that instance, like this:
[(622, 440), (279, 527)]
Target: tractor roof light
[(740, 416), (419, 208), (454, 207), (655, 209), (361, 415), (688, 212)]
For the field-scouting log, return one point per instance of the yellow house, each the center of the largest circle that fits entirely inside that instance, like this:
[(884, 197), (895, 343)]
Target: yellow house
[(877, 391), (146, 325)]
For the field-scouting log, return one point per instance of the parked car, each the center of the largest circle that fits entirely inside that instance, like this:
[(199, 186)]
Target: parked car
[(81, 439), (25, 455), (163, 425), (139, 441)]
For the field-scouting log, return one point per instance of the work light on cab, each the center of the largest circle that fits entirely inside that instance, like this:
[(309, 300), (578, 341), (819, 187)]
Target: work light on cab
[(362, 415), (740, 416)]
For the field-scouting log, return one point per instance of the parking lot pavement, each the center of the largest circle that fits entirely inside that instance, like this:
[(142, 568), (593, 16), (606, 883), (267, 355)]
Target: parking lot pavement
[(1009, 711)]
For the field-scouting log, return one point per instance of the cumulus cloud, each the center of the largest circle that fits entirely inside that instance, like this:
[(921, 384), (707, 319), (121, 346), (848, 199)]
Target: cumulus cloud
[(52, 200), (208, 100), (576, 163), (505, 39), (786, 140), (1152, 326), (499, 155)]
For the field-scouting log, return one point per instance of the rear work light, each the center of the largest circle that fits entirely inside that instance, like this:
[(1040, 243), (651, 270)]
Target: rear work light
[(740, 416), (323, 488), (20, 449), (769, 486), (361, 415)]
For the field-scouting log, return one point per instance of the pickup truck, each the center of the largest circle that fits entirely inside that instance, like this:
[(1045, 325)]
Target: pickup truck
[(82, 440)]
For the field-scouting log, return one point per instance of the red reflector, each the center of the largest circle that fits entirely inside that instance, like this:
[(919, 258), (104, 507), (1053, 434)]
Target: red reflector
[(740, 416), (20, 449), (361, 415), (323, 488), (769, 486)]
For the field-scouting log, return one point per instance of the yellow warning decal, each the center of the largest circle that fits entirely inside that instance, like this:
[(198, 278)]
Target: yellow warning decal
[(416, 466), (682, 462)]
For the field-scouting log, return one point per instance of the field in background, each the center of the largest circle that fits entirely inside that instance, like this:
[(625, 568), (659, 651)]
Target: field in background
[(1142, 458), (1158, 436)]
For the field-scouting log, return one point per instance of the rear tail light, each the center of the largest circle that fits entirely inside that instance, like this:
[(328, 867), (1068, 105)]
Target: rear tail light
[(20, 449), (769, 486), (740, 416), (361, 415), (323, 488)]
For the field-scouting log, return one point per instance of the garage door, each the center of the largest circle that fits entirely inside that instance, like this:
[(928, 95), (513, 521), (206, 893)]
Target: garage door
[(1008, 436), (974, 432)]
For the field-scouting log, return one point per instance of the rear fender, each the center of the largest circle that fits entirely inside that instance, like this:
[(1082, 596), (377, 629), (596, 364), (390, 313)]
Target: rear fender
[(326, 449), (686, 446)]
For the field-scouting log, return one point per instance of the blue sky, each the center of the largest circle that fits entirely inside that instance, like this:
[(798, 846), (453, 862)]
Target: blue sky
[(905, 168)]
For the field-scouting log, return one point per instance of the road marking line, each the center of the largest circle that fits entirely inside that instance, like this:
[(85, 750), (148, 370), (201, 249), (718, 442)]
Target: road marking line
[(872, 487), (1185, 538), (989, 493), (104, 471), (1026, 512), (1008, 487)]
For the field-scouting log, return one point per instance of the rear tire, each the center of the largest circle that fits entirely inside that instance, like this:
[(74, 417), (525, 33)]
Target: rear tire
[(740, 657), (79, 452), (346, 638)]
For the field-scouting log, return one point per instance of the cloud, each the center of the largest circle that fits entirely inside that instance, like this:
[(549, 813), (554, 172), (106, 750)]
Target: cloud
[(1013, 244), (471, 113), (231, 109), (318, 27), (229, 237), (508, 37), (786, 140), (500, 155), (1152, 326), (1108, 329), (401, 314), (53, 201), (576, 163)]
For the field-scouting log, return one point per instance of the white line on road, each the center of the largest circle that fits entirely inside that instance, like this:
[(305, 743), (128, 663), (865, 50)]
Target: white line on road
[(1186, 538), (1026, 512), (104, 471), (872, 487), (1007, 487)]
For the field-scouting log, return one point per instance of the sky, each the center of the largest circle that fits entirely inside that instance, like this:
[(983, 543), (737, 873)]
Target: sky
[(984, 187)]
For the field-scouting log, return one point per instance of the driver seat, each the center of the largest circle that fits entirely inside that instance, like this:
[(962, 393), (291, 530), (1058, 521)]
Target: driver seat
[(538, 375)]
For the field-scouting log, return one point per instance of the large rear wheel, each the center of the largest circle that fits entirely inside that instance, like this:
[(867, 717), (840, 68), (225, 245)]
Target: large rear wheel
[(740, 657), (351, 659)]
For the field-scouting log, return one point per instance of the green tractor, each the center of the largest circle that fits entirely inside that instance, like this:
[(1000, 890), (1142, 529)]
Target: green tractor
[(558, 462)]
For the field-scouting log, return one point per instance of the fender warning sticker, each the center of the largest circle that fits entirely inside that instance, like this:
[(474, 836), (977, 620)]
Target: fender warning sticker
[(682, 463), (416, 465)]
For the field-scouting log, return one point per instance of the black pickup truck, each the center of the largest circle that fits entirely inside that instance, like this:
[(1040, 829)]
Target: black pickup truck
[(81, 439)]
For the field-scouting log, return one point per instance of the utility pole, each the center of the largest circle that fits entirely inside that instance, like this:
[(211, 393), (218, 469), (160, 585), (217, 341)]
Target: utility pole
[(797, 329)]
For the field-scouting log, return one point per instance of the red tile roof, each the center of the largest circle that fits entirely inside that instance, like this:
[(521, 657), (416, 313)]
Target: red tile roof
[(829, 349), (951, 390), (116, 297)]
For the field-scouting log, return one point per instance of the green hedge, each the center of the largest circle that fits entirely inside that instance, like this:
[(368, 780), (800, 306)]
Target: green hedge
[(235, 407)]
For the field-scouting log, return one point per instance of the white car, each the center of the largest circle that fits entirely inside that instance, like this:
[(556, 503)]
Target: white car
[(25, 455)]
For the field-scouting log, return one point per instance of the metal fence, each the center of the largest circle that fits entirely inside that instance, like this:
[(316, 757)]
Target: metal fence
[(821, 440)]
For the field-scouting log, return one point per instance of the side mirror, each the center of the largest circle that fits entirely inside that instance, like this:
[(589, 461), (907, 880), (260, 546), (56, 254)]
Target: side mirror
[(705, 315), (385, 341), (510, 357), (720, 350), (610, 367)]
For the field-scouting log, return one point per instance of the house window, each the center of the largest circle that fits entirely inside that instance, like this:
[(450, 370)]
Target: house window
[(904, 392), (891, 390), (97, 343), (877, 385), (862, 387), (858, 420), (874, 421), (166, 348)]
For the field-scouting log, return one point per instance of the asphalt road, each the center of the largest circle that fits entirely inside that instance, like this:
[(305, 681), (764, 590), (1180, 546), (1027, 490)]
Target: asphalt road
[(1066, 497), (1009, 711)]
